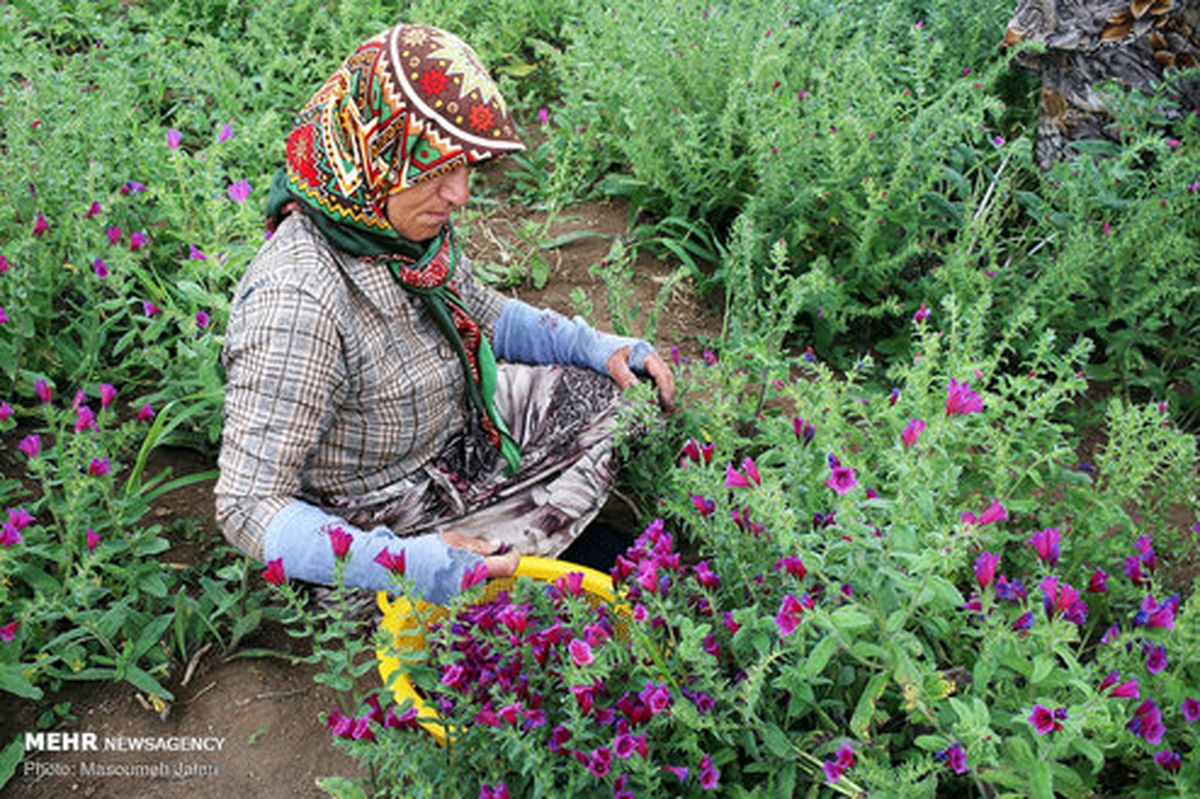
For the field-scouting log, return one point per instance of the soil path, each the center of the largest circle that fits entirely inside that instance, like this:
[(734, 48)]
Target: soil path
[(264, 712)]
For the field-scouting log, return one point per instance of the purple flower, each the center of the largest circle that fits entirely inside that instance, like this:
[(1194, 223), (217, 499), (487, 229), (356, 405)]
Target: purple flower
[(1024, 622), (1045, 720), (1010, 590), (893, 395), (474, 576), (1191, 709), (792, 565), (1062, 599), (31, 445), (842, 479), (543, 115), (132, 187), (40, 225), (226, 131), (99, 467), (1156, 659), (706, 506), (114, 234), (581, 652), (84, 419), (679, 771), (1147, 722), (843, 759), (10, 535), (9, 631), (497, 791), (961, 400), (174, 137), (788, 618), (736, 479), (921, 314), (93, 210), (985, 568), (709, 774), (998, 141), (100, 268), (138, 239), (954, 757), (912, 431), (194, 253), (146, 413), (6, 411), (803, 430), (1099, 582), (1046, 545), (238, 192), (1155, 615), (108, 393), (43, 391), (92, 538), (202, 319), (995, 513)]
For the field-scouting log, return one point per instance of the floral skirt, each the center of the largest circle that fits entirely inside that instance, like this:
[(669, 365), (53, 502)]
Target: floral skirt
[(562, 417)]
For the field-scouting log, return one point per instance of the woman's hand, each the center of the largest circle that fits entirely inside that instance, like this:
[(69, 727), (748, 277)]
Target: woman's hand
[(618, 367), (499, 564)]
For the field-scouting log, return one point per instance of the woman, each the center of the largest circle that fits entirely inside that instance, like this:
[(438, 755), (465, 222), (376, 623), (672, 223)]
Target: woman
[(363, 391)]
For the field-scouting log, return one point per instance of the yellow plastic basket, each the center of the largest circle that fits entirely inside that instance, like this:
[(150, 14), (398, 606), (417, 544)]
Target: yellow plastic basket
[(402, 622)]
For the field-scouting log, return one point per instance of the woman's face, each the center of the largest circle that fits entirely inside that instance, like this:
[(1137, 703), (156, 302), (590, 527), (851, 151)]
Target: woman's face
[(418, 212)]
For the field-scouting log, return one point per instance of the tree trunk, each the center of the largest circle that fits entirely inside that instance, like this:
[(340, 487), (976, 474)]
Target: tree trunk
[(1135, 42)]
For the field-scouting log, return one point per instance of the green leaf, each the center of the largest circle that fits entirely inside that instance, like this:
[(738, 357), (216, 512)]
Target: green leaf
[(850, 619), (152, 634), (819, 657), (861, 719), (1042, 666), (15, 682), (10, 756), (1089, 750), (776, 741), (1041, 784), (139, 678)]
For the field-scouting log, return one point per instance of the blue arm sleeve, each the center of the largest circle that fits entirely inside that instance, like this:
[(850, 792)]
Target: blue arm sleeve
[(525, 334), (299, 534)]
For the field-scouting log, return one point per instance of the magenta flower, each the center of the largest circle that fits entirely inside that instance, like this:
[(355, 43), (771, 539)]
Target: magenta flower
[(9, 631), (911, 432), (150, 309), (985, 568), (1126, 690), (1147, 722), (43, 391), (1156, 660), (1045, 720), (1046, 545), (340, 540), (921, 314), (543, 115), (273, 574), (792, 565), (100, 268), (734, 478), (1099, 582), (146, 413), (961, 400), (1062, 599), (238, 192), (93, 210), (393, 563), (174, 137), (706, 506), (995, 513), (99, 467), (843, 759), (226, 131), (954, 757), (679, 771), (803, 431), (40, 225), (690, 451), (108, 393), (93, 538), (1169, 760), (581, 652), (6, 411), (497, 791), (84, 419), (138, 239), (202, 319), (132, 187), (114, 234), (31, 445), (1191, 709), (842, 479), (788, 618), (1155, 615), (194, 253), (474, 576), (10, 535), (710, 775), (998, 141)]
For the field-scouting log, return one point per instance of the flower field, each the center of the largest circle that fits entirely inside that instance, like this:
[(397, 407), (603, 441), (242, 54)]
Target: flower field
[(925, 524)]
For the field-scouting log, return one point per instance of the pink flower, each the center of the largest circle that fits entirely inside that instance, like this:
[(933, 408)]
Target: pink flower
[(961, 400), (788, 618), (911, 432), (40, 225), (955, 757), (31, 445), (998, 141), (1046, 545), (43, 391), (108, 393), (921, 314), (93, 210), (3, 315), (202, 319), (1126, 690), (734, 478), (114, 234), (474, 576), (581, 652), (138, 239), (9, 631), (10, 535), (99, 467), (174, 137), (274, 572), (194, 253), (239, 191), (150, 309), (1099, 582), (6, 411), (843, 759), (996, 513), (842, 479), (543, 115), (93, 538), (1169, 760), (498, 791), (1191, 709), (146, 413), (710, 775), (793, 566), (100, 268), (1156, 660), (340, 540), (751, 470), (84, 419), (393, 563), (226, 131)]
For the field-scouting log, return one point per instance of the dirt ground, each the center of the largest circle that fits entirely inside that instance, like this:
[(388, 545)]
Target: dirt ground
[(264, 711)]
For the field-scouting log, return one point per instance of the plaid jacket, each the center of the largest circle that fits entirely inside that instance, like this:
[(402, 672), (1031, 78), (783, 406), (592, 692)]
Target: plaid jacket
[(337, 382)]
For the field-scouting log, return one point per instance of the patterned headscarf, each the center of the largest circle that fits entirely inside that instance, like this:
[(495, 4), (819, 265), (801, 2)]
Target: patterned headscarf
[(410, 104)]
